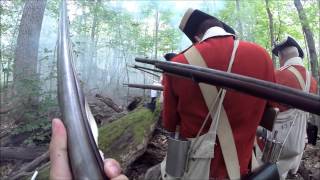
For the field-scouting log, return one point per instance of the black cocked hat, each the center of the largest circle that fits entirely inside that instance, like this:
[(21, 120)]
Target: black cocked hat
[(289, 42), (193, 18), (169, 56)]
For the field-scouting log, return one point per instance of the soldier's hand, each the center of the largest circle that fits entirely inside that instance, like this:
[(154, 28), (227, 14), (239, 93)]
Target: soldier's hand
[(60, 168)]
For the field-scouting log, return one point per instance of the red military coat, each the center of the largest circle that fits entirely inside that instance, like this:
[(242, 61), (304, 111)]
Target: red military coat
[(184, 104), (287, 78)]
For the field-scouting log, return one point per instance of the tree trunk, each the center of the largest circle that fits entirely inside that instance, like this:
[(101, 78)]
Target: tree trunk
[(26, 52), (239, 18), (92, 48), (309, 36), (271, 31), (156, 34)]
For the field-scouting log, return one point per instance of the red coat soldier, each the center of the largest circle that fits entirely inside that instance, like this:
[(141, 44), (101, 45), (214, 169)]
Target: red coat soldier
[(185, 103), (291, 123)]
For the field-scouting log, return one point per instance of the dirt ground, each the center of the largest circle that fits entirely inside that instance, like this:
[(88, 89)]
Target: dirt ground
[(156, 150)]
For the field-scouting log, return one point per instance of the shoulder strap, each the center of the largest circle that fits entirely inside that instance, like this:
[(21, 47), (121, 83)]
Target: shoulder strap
[(224, 130), (299, 77), (308, 81)]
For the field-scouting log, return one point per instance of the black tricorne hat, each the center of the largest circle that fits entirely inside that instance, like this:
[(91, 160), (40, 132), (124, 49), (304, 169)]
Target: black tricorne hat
[(287, 43), (193, 18), (169, 56)]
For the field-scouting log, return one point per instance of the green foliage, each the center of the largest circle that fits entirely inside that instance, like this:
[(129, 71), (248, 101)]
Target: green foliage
[(37, 122), (10, 12), (44, 173)]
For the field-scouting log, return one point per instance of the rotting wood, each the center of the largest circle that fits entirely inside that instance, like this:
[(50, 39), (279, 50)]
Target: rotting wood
[(25, 170), (109, 102)]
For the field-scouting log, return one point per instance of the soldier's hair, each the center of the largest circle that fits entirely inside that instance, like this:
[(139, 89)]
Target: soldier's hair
[(288, 52), (205, 25)]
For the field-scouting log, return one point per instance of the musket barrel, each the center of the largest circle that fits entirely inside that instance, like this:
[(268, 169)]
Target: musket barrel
[(145, 86), (146, 70), (145, 60), (255, 87), (85, 159), (140, 67)]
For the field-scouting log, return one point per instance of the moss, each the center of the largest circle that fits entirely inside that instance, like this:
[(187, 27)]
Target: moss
[(44, 173), (133, 128), (137, 123)]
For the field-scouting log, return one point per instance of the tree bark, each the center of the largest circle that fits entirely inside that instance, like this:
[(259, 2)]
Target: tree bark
[(271, 31), (239, 18), (93, 44), (310, 40), (26, 52), (156, 34)]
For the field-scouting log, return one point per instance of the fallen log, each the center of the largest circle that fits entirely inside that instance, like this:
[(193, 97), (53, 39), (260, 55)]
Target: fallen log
[(21, 153), (5, 108), (25, 170), (134, 103), (109, 102), (124, 139)]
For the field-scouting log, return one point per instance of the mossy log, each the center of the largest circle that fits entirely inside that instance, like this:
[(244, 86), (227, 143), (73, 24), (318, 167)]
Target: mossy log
[(124, 139)]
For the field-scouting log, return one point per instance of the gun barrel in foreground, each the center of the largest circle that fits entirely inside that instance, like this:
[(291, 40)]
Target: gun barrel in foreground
[(145, 86), (84, 156), (255, 87)]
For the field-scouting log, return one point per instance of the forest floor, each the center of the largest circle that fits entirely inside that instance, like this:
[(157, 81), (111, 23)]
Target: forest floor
[(156, 150)]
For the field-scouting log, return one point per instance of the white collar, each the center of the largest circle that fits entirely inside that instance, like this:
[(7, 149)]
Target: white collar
[(214, 32), (297, 61), (294, 61)]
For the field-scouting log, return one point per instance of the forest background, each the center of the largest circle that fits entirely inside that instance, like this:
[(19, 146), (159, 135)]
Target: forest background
[(107, 35)]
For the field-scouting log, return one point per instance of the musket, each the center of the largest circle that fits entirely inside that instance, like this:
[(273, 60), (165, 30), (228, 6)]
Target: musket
[(252, 86), (145, 86), (145, 70), (84, 157), (141, 67)]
